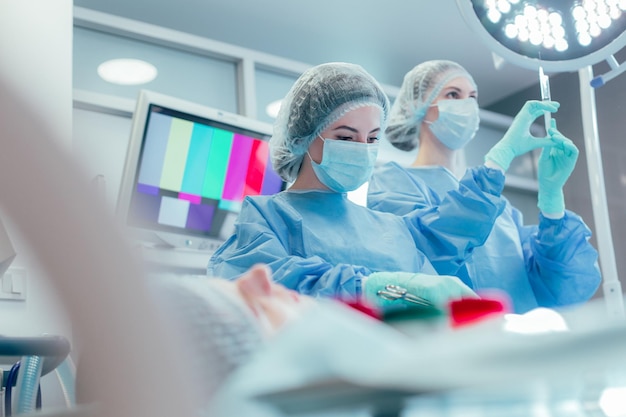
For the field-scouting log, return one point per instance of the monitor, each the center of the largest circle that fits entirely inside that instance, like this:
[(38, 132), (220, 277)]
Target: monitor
[(188, 168)]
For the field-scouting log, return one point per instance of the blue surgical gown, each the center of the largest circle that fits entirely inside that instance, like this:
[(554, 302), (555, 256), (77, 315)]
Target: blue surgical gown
[(550, 264), (320, 243)]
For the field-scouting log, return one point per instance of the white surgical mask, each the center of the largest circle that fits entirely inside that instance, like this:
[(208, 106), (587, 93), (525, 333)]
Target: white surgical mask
[(457, 122), (345, 165)]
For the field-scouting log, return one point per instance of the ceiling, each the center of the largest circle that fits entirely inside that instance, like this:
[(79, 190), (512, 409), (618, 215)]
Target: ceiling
[(386, 37)]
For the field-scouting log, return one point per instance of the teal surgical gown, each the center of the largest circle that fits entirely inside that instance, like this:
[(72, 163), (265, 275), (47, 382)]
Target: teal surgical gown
[(550, 264), (322, 244)]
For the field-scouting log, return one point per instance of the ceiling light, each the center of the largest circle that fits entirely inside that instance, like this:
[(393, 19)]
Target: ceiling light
[(273, 108), (127, 71)]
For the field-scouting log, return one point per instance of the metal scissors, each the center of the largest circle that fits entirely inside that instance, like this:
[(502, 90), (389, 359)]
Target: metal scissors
[(395, 292)]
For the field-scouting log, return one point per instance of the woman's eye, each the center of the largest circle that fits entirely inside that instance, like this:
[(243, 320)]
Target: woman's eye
[(372, 140), (452, 94), (348, 138)]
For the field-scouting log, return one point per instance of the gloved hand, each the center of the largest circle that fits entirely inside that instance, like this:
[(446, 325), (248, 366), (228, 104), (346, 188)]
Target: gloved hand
[(438, 289), (518, 140), (556, 163)]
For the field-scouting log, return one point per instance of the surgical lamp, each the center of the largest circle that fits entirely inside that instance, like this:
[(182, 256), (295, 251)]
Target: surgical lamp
[(559, 36)]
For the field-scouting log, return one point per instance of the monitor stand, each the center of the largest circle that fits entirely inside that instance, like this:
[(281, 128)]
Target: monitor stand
[(176, 260), (160, 255)]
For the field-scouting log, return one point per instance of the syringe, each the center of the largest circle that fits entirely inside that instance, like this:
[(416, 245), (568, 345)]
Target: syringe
[(544, 83)]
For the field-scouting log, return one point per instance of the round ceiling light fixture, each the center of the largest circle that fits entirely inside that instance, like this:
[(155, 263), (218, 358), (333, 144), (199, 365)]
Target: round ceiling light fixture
[(558, 35), (272, 109), (127, 71)]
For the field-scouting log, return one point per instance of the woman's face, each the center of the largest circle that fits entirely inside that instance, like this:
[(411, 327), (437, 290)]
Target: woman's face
[(359, 125), (272, 304), (456, 89)]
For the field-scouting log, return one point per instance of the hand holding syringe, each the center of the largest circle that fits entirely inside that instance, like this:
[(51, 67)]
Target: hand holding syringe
[(518, 139)]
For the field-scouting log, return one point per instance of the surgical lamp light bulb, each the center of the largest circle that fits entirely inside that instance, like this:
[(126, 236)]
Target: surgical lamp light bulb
[(510, 31), (615, 12), (558, 32), (530, 12), (584, 39), (523, 35), (579, 13), (504, 6), (595, 30), (494, 15), (555, 19), (548, 42), (604, 21), (535, 38), (561, 45), (602, 9), (582, 26)]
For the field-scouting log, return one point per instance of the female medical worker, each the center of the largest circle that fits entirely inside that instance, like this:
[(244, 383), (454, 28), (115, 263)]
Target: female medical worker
[(318, 242), (548, 265)]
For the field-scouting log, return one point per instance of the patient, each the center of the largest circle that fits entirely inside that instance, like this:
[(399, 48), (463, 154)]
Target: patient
[(223, 323), (218, 324), (251, 326)]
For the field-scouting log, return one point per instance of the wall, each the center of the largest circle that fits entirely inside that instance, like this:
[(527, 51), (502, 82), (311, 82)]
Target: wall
[(611, 109)]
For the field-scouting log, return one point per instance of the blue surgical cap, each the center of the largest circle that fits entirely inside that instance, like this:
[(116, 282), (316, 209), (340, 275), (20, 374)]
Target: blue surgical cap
[(420, 88), (322, 95)]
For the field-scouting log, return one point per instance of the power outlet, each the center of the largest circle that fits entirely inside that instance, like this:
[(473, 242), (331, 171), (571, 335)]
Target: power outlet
[(13, 284)]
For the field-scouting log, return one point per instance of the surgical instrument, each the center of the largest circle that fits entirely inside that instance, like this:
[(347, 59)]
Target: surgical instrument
[(394, 292)]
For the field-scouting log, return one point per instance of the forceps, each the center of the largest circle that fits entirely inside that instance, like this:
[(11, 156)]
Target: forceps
[(395, 292)]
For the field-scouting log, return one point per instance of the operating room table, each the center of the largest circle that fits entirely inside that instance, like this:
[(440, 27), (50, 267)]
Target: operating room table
[(482, 369)]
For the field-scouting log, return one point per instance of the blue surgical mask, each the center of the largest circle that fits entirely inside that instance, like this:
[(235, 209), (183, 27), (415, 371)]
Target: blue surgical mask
[(345, 165), (457, 122)]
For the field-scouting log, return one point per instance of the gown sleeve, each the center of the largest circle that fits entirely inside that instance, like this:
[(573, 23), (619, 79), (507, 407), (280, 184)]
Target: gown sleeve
[(393, 190), (448, 229), (562, 265), (261, 236)]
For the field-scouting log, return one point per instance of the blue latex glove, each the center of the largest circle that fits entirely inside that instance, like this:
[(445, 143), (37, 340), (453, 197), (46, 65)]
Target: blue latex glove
[(518, 140), (438, 289), (556, 163)]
